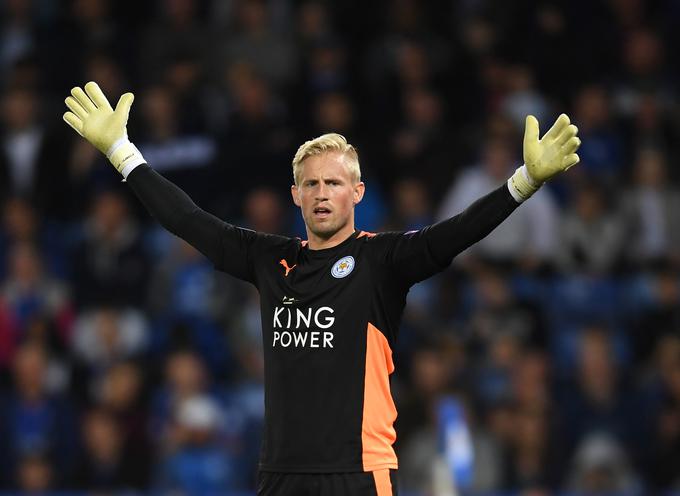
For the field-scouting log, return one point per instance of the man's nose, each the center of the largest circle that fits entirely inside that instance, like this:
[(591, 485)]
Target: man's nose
[(321, 192)]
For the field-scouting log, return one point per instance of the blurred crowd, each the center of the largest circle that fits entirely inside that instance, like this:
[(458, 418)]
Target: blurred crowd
[(128, 362)]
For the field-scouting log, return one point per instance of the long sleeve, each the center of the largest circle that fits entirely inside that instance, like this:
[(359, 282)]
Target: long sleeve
[(449, 237), (228, 247), (416, 255)]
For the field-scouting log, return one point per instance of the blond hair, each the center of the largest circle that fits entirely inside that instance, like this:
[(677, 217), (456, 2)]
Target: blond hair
[(331, 142)]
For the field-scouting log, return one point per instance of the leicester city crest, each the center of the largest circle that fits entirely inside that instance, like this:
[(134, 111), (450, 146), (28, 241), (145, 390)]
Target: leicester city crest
[(343, 267)]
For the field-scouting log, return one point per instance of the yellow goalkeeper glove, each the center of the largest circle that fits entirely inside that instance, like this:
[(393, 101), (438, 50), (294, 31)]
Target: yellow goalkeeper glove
[(546, 157), (92, 117)]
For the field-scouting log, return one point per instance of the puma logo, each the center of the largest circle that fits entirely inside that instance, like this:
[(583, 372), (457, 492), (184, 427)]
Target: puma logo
[(285, 266)]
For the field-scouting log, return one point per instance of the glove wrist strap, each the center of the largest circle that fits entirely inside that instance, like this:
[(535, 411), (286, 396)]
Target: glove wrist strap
[(124, 156), (522, 185)]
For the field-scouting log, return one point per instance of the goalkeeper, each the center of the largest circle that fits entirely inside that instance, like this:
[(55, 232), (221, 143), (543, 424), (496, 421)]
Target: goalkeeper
[(330, 305)]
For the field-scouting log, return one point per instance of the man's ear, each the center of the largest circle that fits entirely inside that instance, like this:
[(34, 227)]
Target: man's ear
[(296, 195), (359, 190)]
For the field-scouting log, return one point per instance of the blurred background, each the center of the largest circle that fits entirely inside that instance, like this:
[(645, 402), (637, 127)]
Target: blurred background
[(545, 361)]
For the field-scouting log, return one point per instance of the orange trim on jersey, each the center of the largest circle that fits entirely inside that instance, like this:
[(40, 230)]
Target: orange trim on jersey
[(377, 428), (383, 484), (365, 233), (304, 242)]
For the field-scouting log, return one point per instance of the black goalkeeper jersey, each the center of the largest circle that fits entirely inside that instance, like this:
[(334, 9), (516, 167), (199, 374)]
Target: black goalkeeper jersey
[(330, 319)]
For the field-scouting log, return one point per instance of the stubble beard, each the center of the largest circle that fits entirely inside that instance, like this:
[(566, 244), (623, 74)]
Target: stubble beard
[(326, 230)]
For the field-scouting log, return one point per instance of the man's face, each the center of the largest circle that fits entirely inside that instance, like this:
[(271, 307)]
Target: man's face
[(326, 194)]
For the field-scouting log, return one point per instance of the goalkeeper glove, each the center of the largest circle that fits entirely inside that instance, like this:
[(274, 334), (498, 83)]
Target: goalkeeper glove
[(92, 117), (546, 157)]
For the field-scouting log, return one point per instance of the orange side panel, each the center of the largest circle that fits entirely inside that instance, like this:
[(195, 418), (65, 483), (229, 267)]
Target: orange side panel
[(383, 484), (377, 429)]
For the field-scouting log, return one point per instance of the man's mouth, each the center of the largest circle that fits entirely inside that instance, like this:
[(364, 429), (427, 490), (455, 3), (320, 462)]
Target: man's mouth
[(321, 212)]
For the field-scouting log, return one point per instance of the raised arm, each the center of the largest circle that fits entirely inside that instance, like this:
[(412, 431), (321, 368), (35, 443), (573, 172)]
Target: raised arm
[(92, 117), (543, 159), (449, 237), (419, 254), (177, 213)]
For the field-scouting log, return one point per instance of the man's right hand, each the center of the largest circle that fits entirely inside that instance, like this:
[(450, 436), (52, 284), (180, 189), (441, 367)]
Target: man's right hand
[(94, 119)]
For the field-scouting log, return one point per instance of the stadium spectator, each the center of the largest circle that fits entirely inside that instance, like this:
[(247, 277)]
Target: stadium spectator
[(327, 68), (418, 440), (37, 304), (104, 336), (257, 132), (177, 30), (600, 466), (643, 70), (22, 224), (531, 381), (35, 475), (34, 420), (523, 98), (243, 409), (186, 298), (412, 205), (313, 24), (666, 445), (26, 167), (178, 144), (254, 42), (17, 33), (651, 127), (598, 399), (121, 394), (184, 283), (531, 461), (591, 234), (105, 464), (110, 266), (603, 157), (196, 463), (185, 376), (652, 212)]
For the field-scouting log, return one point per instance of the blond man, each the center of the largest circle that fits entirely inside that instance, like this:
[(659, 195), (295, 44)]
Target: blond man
[(330, 305)]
